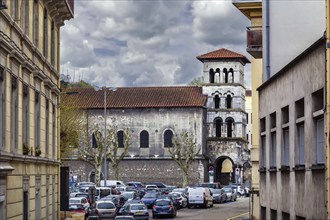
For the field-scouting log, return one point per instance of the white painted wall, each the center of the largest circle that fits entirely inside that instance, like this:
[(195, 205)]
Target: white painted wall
[(293, 27)]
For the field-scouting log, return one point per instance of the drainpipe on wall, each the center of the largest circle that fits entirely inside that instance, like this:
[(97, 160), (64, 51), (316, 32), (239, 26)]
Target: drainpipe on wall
[(267, 58), (327, 105)]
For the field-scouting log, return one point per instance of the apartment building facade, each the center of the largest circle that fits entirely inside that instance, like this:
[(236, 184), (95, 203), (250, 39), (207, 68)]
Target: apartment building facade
[(29, 107)]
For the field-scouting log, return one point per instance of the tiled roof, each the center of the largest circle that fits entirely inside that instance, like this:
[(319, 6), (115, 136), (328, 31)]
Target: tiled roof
[(135, 97), (222, 54)]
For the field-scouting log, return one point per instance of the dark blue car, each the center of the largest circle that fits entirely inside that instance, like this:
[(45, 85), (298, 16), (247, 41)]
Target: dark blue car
[(150, 198), (163, 207)]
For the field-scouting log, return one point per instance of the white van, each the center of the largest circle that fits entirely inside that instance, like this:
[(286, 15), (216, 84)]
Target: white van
[(111, 183), (199, 196)]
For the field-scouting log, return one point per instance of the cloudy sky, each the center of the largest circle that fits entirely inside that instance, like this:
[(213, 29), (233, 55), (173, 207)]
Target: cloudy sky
[(148, 42)]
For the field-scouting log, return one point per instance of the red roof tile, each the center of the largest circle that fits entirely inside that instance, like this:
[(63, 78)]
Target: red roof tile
[(136, 97), (222, 54)]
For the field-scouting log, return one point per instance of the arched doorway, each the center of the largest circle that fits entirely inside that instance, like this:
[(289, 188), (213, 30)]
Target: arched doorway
[(224, 170)]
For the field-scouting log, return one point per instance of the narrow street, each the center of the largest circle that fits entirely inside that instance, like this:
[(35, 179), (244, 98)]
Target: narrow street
[(226, 211)]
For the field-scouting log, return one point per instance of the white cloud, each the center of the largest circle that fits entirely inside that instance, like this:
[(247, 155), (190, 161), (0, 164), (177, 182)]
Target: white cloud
[(146, 43)]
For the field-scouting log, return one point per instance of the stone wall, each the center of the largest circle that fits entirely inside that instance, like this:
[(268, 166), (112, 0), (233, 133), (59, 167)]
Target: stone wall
[(143, 170)]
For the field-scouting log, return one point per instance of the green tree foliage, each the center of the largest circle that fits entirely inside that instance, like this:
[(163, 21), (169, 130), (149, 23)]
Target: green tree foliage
[(184, 152), (71, 126)]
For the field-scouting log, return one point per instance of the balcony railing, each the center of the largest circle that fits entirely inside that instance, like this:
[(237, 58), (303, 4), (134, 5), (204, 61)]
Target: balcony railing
[(254, 41)]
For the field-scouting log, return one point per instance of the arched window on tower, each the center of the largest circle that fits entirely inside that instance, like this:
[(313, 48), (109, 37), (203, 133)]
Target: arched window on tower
[(229, 101), (217, 76), (231, 75), (226, 75), (211, 76), (216, 101), (230, 127), (168, 135), (218, 127), (120, 136), (144, 139)]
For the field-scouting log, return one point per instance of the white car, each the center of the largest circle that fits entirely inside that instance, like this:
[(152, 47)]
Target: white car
[(183, 200), (79, 200), (199, 196)]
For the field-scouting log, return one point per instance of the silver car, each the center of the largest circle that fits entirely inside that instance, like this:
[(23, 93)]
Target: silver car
[(231, 194), (105, 209)]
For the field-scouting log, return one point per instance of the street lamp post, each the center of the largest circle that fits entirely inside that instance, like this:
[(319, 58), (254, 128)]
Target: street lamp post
[(105, 129)]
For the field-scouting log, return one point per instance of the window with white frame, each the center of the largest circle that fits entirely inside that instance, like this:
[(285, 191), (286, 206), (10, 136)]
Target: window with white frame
[(286, 147), (2, 107)]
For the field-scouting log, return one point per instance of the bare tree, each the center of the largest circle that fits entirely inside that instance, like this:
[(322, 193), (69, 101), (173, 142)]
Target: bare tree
[(94, 155), (115, 152), (184, 152)]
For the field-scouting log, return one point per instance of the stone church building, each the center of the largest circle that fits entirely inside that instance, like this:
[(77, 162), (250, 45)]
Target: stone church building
[(213, 113)]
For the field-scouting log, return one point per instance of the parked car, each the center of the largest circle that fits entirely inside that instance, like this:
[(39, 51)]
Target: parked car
[(80, 201), (79, 208), (136, 185), (112, 183), (238, 189), (200, 196), (129, 195), (231, 194), (214, 185), (163, 207), (138, 210), (181, 190), (135, 201), (105, 209), (181, 198), (124, 217), (161, 186), (81, 194), (219, 195), (173, 198), (149, 198)]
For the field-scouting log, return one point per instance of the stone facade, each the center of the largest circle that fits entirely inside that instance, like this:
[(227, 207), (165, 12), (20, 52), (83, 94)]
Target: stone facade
[(29, 95)]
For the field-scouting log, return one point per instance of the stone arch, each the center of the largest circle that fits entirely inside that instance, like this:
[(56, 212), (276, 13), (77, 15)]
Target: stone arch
[(224, 167), (217, 76)]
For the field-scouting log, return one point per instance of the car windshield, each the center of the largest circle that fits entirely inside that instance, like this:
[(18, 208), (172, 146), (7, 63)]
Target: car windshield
[(105, 205), (163, 203), (150, 195), (74, 200), (138, 207), (82, 195)]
